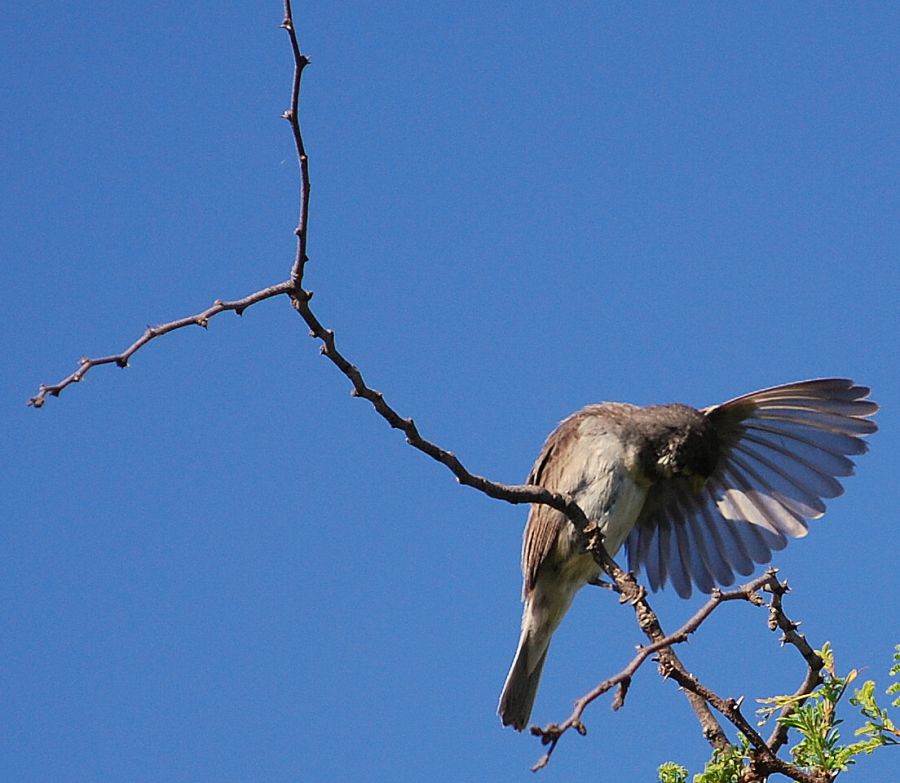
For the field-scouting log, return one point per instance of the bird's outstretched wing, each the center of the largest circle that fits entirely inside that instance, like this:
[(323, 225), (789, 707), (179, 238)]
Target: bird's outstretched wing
[(781, 450)]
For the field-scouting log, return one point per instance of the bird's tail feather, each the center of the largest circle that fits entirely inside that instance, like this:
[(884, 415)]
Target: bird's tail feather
[(522, 681)]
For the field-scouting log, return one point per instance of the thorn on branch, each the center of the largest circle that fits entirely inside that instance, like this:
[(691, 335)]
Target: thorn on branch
[(755, 598), (287, 114), (547, 735), (621, 693)]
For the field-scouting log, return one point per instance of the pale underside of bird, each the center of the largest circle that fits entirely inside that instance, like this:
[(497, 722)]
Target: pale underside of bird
[(696, 496)]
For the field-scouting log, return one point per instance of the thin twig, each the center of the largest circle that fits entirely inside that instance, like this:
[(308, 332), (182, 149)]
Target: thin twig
[(552, 733), (814, 663), (152, 332), (292, 115), (764, 762), (649, 623)]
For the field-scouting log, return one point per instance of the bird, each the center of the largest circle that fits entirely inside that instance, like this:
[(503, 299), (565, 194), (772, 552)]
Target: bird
[(694, 495)]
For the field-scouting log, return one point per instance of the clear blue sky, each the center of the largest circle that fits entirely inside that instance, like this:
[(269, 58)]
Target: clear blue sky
[(217, 566)]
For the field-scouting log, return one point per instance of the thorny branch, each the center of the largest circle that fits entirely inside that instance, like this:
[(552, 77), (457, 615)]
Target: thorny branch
[(766, 761), (621, 681), (151, 333), (814, 664), (293, 116), (661, 644)]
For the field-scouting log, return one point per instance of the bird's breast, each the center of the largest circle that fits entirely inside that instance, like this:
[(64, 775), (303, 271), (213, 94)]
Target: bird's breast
[(606, 487)]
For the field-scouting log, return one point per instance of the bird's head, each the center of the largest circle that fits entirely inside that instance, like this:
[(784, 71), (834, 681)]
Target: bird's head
[(686, 445)]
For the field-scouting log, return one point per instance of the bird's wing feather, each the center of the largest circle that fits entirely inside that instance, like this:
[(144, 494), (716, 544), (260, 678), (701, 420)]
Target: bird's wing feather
[(781, 452), (544, 522)]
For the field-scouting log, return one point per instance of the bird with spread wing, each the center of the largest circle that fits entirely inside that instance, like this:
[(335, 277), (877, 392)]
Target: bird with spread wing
[(694, 495)]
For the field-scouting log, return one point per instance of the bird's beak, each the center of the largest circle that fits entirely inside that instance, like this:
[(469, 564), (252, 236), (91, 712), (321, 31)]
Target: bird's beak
[(698, 482)]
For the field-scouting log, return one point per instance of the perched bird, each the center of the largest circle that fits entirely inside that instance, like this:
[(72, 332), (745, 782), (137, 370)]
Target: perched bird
[(695, 496)]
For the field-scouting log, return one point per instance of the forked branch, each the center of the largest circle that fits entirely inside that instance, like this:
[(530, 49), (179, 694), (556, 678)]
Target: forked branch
[(660, 644)]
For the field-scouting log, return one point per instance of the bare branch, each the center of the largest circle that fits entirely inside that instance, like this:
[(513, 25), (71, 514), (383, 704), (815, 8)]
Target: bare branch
[(814, 663), (292, 115), (635, 594), (152, 332), (765, 759), (551, 734), (765, 762)]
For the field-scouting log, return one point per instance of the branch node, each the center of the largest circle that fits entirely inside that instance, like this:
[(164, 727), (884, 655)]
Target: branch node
[(621, 693), (122, 362), (549, 734)]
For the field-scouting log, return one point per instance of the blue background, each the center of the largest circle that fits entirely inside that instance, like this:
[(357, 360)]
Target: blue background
[(217, 566)]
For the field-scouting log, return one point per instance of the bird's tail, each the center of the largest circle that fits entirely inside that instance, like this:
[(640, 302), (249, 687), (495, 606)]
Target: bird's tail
[(523, 678)]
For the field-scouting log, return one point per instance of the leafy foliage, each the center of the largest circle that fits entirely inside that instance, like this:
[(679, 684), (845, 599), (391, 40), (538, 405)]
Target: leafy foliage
[(725, 766), (813, 717)]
